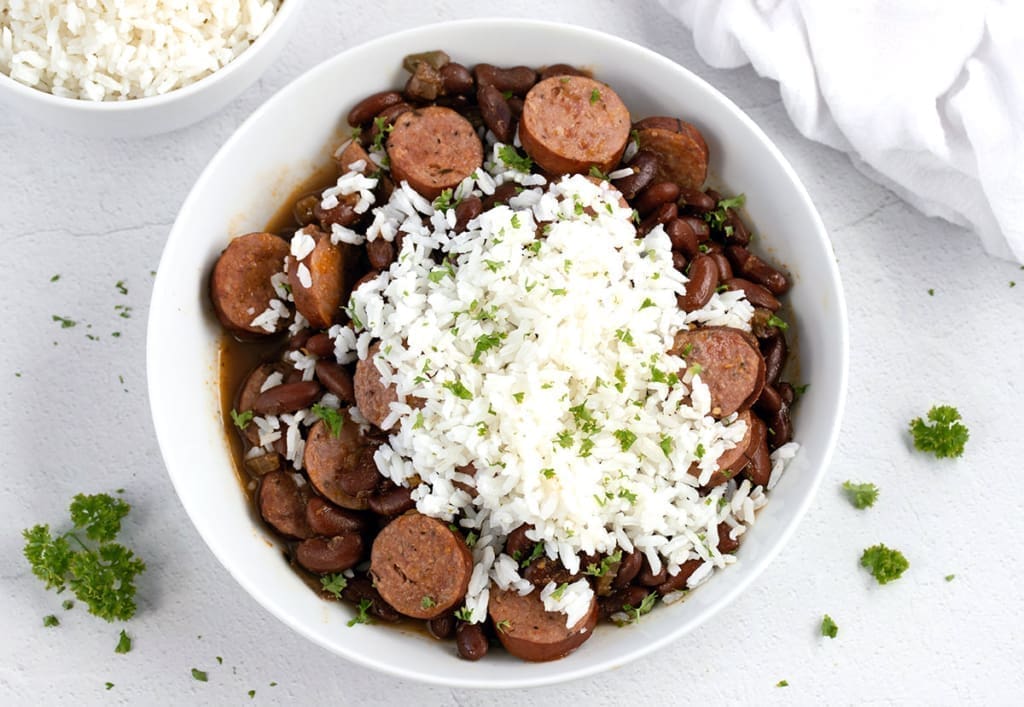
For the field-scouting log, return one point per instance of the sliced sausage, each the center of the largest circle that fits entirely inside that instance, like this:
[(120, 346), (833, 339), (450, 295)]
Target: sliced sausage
[(282, 503), (433, 149), (329, 520), (373, 398), (572, 123), (420, 566), (681, 158), (734, 460), (240, 285), (531, 633), (730, 365), (337, 554), (319, 297), (351, 153), (329, 459), (248, 394)]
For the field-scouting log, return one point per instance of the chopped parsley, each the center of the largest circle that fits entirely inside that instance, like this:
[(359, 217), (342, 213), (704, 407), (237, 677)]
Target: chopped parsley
[(776, 322), (620, 378), (419, 421), (383, 129), (464, 614), (241, 420), (68, 605), (559, 591), (199, 675), (55, 278), (534, 248), (600, 570), (471, 539), (695, 370), (719, 217), (519, 396), (458, 390), (931, 292), (861, 495), (361, 617), (666, 445), (634, 613), (559, 291), (331, 417), (65, 322), (885, 564), (484, 343), (628, 495), (782, 683), (120, 287), (596, 173), (626, 439), (595, 96), (493, 265), (124, 643), (108, 685), (333, 584), (503, 626), (648, 302), (625, 336), (829, 627), (659, 376), (102, 576), (444, 201), (510, 156), (252, 694), (699, 451), (438, 273), (515, 221), (945, 437), (950, 577), (548, 473), (427, 602), (51, 621), (564, 439), (538, 551)]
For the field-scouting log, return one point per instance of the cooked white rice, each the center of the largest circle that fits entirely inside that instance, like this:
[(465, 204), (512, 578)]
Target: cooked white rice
[(108, 50)]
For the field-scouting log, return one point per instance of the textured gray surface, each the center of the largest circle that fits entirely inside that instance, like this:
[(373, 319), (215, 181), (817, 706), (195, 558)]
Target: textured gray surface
[(98, 211)]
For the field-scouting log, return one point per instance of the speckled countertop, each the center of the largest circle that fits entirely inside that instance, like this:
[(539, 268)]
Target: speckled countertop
[(74, 417)]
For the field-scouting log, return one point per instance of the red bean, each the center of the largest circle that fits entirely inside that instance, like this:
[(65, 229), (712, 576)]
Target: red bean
[(678, 581), (654, 196), (495, 112), (517, 545), (679, 261), (753, 268), (661, 215), (467, 210), (304, 209), (471, 641), (630, 596), (287, 397), (696, 200), (644, 165), (335, 554), (329, 520), (769, 403), (456, 80), (703, 282), (648, 578), (722, 263), (319, 345), (337, 380), (699, 227), (361, 588), (775, 353), (501, 195), (757, 295), (725, 543), (366, 109), (380, 253), (786, 392), (740, 234), (442, 627), (517, 79), (628, 570), (386, 118), (684, 240), (392, 502)]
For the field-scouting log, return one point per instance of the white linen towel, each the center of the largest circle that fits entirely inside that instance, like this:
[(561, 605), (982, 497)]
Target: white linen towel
[(926, 96)]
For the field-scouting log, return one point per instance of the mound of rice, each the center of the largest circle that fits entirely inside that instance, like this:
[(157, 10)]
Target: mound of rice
[(107, 50)]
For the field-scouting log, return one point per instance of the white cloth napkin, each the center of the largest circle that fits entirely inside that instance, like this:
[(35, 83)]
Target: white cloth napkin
[(926, 96)]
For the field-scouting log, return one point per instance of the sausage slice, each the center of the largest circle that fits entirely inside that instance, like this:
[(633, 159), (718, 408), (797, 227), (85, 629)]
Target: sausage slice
[(731, 365), (529, 632), (329, 460), (320, 290), (247, 396), (282, 504), (572, 123), (734, 460), (240, 285), (420, 566), (433, 149), (682, 158), (373, 398)]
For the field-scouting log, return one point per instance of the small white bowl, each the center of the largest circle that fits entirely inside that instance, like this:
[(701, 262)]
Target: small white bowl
[(283, 142), (157, 114)]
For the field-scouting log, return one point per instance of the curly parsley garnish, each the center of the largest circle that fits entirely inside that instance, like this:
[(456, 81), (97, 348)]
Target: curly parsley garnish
[(885, 564), (829, 627), (102, 576), (458, 390), (124, 643), (944, 437), (595, 570), (861, 495), (362, 616), (333, 584), (645, 606), (511, 157), (331, 417), (241, 419)]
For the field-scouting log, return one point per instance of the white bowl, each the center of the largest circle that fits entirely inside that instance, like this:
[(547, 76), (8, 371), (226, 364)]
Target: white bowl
[(157, 114), (282, 142)]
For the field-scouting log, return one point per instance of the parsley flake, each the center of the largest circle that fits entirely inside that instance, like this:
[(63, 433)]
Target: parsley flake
[(361, 617), (885, 564), (65, 322), (50, 621), (511, 157), (241, 420), (331, 417), (945, 437), (333, 584), (861, 495), (458, 390), (595, 96), (199, 675), (626, 438), (829, 627)]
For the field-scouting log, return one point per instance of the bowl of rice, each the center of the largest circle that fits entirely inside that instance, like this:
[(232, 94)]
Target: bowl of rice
[(273, 153), (135, 67)]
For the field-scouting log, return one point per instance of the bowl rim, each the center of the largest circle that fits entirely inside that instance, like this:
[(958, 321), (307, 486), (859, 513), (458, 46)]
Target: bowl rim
[(757, 566), (276, 25)]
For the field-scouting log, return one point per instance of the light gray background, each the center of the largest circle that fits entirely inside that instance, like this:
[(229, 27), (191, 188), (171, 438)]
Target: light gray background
[(98, 211)]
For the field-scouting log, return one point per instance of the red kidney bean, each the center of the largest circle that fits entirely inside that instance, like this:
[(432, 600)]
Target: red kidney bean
[(696, 200), (715, 196), (361, 587), (392, 502), (740, 234), (456, 80), (775, 353), (372, 105), (759, 470), (467, 210), (757, 295), (329, 520), (560, 70), (684, 240), (471, 641), (319, 345), (298, 340), (442, 627), (495, 112), (517, 79), (700, 229), (679, 261), (628, 570), (501, 195), (630, 596), (337, 379), (722, 263), (517, 542), (381, 253), (703, 282), (304, 209), (644, 165), (515, 104), (287, 397), (678, 581), (786, 392), (654, 196), (769, 403), (343, 214), (725, 543), (648, 578), (335, 554), (753, 268), (385, 119), (661, 215), (425, 84), (780, 428)]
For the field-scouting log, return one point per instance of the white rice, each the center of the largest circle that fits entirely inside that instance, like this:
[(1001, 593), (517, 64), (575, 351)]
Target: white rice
[(109, 50)]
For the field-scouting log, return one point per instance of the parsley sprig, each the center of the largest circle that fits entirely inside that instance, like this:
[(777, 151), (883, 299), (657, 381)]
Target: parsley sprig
[(101, 574), (943, 435), (884, 563)]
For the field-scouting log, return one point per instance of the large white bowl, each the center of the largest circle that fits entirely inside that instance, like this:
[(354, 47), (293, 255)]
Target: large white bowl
[(157, 114), (282, 142)]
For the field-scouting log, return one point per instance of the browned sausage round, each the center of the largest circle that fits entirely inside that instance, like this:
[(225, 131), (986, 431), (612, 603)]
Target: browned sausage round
[(329, 282), (531, 633), (328, 459), (282, 504), (247, 395), (420, 566), (573, 123), (350, 154), (373, 398), (335, 554), (240, 285), (734, 460), (329, 520), (730, 364), (433, 149), (681, 158)]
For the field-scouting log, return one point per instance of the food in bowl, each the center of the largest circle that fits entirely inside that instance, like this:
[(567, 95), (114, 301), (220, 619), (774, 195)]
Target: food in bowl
[(532, 373), (110, 51)]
